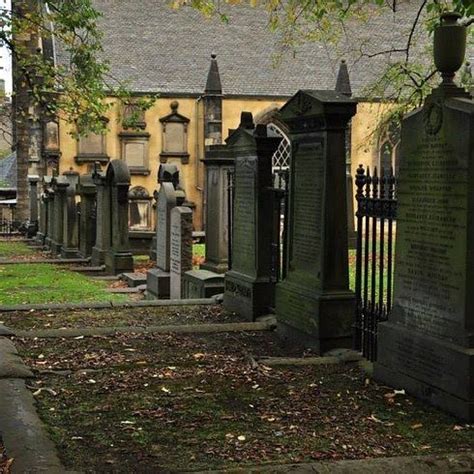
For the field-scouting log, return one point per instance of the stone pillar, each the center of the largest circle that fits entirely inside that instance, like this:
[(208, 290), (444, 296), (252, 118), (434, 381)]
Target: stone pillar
[(102, 241), (249, 286), (118, 258), (217, 162), (33, 222), (43, 219), (49, 198), (181, 248), (70, 247), (314, 304), (87, 192), (427, 344), (60, 188)]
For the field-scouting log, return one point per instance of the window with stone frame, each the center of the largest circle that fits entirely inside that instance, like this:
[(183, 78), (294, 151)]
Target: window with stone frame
[(91, 148), (174, 128), (281, 157), (133, 117), (139, 209), (134, 151)]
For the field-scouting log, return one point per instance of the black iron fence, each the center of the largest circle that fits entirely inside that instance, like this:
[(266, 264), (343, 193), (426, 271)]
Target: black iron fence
[(10, 227), (376, 215)]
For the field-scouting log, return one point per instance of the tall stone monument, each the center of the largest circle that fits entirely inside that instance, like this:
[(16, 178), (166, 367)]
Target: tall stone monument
[(60, 186), (427, 344), (102, 223), (118, 258), (249, 286), (70, 248), (314, 304), (87, 207), (43, 216), (218, 162), (33, 194), (158, 279), (181, 248)]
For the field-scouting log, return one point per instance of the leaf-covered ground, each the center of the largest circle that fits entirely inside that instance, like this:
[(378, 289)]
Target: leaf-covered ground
[(169, 403), (146, 316), (15, 250), (29, 283)]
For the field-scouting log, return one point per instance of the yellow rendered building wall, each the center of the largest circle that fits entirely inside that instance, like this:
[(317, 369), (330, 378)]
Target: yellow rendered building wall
[(364, 145)]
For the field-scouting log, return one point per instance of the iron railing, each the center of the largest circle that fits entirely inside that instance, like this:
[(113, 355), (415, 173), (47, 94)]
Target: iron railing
[(376, 215)]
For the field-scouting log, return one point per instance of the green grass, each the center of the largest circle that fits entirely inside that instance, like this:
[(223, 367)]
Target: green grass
[(44, 283), (11, 249), (199, 250)]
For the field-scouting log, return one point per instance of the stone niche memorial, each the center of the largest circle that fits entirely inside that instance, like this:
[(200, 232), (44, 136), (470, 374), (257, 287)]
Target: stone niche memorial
[(118, 258), (158, 279), (427, 344), (249, 286), (314, 305)]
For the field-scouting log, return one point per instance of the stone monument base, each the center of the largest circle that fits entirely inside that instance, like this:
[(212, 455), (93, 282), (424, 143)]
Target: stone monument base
[(56, 247), (32, 229), (118, 262), (40, 238), (214, 267), (157, 284), (69, 252), (248, 297), (439, 372), (202, 284), (319, 321), (97, 257)]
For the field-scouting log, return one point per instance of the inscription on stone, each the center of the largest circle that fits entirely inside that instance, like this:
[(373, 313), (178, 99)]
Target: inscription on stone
[(432, 222), (308, 205), (245, 215)]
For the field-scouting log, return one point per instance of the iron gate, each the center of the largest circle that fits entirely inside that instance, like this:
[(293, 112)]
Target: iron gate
[(376, 215)]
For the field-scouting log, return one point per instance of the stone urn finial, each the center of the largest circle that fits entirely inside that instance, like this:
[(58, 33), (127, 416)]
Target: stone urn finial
[(449, 46)]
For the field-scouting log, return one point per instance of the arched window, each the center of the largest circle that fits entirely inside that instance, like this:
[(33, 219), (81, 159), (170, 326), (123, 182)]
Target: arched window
[(281, 157)]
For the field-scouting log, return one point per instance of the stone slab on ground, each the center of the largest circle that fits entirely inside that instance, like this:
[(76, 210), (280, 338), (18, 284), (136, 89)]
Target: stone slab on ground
[(177, 329), (455, 462), (134, 279), (122, 291), (24, 435)]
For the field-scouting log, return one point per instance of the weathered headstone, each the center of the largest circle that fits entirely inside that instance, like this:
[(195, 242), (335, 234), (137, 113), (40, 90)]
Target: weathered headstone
[(202, 284), (49, 199), (427, 345), (43, 215), (102, 223), (33, 222), (70, 247), (60, 186), (158, 279), (249, 286), (314, 304), (218, 162), (87, 221), (181, 248), (118, 258)]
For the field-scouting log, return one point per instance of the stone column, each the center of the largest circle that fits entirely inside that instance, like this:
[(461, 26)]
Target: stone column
[(43, 219), (33, 222), (87, 193), (49, 196), (427, 344), (102, 241), (249, 286), (314, 304), (61, 185), (217, 162), (118, 258), (70, 247), (181, 248)]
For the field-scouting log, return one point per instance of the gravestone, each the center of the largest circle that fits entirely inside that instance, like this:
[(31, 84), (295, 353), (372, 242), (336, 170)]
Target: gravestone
[(102, 224), (314, 305), (43, 216), (427, 344), (49, 198), (158, 279), (249, 286), (218, 162), (70, 247), (181, 248), (60, 186), (87, 209), (118, 258), (33, 194), (202, 284)]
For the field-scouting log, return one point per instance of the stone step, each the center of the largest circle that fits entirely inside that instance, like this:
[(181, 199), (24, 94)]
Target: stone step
[(134, 279)]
